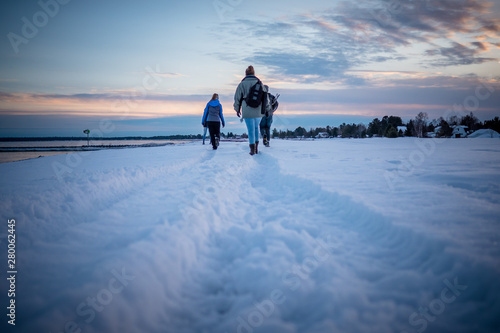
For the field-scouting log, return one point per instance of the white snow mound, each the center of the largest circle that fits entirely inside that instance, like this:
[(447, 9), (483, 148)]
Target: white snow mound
[(484, 133)]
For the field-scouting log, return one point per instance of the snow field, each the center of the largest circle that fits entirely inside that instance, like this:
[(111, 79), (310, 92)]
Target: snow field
[(305, 237)]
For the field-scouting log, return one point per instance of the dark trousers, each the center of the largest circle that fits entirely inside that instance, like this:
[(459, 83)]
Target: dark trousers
[(265, 126), (214, 129)]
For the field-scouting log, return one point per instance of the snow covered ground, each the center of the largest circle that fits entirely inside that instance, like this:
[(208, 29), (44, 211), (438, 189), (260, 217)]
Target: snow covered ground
[(375, 235)]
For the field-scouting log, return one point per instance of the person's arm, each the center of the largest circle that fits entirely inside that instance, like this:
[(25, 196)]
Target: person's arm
[(222, 117), (264, 103), (238, 98), (205, 114), (269, 107)]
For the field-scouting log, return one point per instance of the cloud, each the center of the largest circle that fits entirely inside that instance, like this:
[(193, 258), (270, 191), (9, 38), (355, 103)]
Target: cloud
[(423, 19), (5, 96), (391, 24), (458, 54), (325, 45), (75, 97), (168, 75), (306, 68), (479, 45), (121, 103), (303, 64), (105, 96)]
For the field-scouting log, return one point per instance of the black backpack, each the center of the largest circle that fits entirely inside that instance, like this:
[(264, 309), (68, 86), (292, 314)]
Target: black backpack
[(274, 101), (255, 95)]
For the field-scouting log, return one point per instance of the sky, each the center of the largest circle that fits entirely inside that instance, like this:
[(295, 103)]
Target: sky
[(149, 67)]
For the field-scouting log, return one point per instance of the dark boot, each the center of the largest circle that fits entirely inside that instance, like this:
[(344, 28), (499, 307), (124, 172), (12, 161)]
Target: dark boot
[(252, 149), (256, 147), (265, 140)]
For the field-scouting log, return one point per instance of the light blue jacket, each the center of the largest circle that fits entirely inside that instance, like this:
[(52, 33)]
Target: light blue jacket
[(213, 112), (239, 99)]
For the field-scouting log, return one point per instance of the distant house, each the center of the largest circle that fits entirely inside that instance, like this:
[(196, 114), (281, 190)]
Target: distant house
[(459, 131), (437, 130), (322, 135), (401, 130)]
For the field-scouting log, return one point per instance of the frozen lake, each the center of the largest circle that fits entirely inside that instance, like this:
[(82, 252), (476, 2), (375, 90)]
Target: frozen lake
[(11, 151)]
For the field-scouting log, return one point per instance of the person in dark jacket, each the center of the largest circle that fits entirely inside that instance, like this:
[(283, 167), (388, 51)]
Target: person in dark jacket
[(267, 119), (212, 118)]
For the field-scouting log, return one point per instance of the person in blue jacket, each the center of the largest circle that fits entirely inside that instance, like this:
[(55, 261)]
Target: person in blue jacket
[(212, 118)]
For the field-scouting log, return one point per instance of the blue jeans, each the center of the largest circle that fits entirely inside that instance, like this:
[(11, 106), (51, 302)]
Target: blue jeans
[(253, 129)]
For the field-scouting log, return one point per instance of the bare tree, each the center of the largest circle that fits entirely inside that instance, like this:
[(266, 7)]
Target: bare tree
[(420, 124)]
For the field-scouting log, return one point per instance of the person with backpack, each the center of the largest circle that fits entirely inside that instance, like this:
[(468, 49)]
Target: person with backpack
[(212, 118), (250, 104), (267, 119)]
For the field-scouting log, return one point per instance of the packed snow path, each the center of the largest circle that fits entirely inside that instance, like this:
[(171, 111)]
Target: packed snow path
[(186, 239)]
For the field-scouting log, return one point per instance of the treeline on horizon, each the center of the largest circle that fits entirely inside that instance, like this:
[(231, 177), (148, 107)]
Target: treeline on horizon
[(385, 127), (388, 127)]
